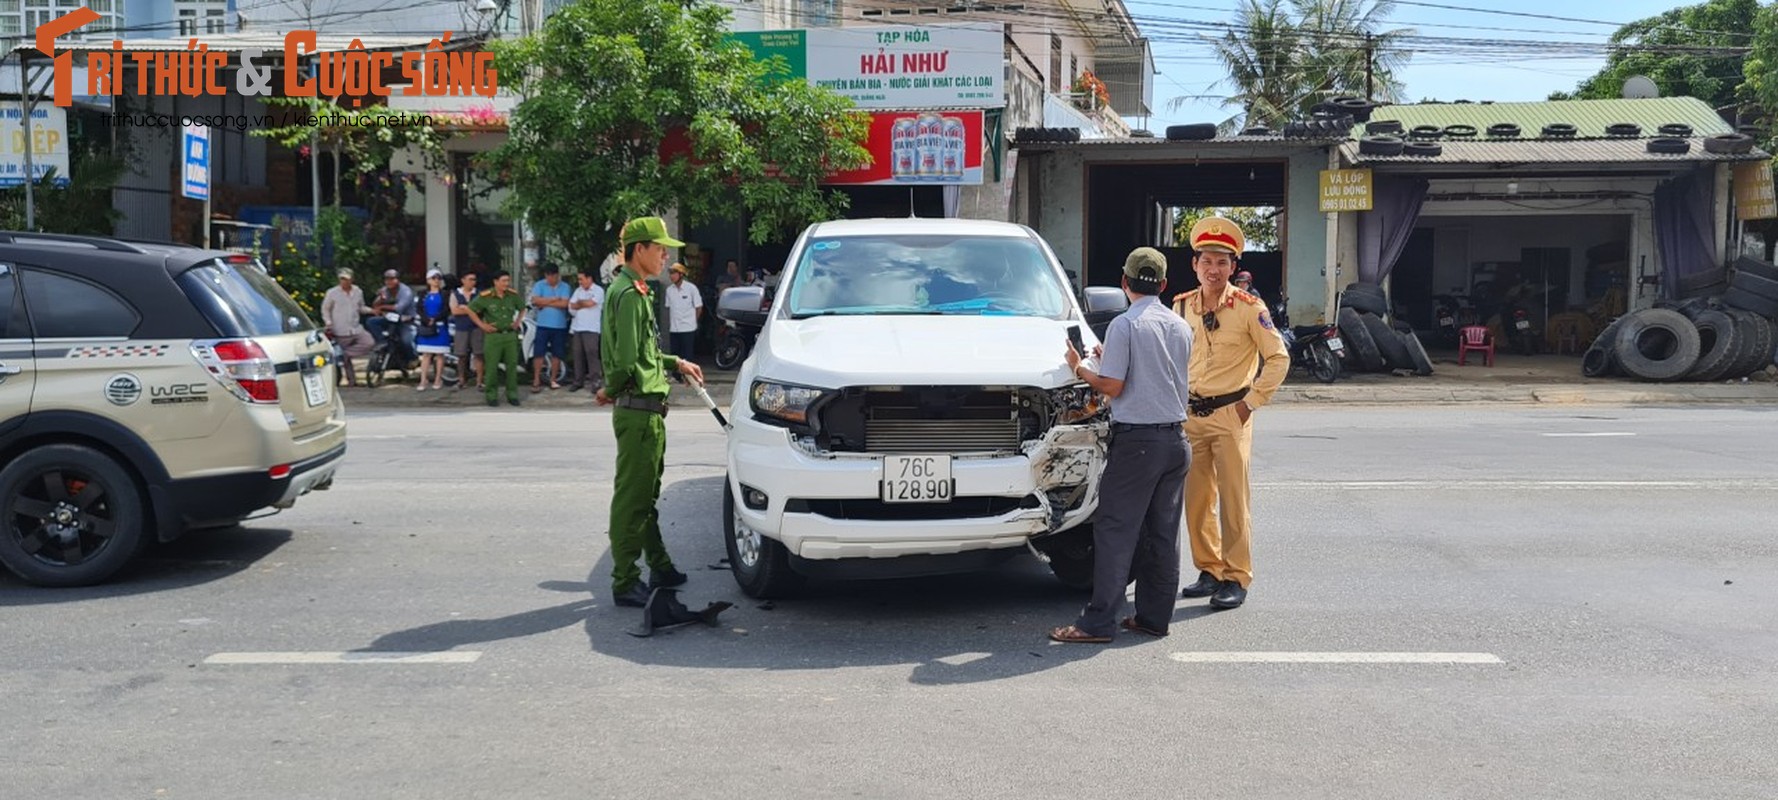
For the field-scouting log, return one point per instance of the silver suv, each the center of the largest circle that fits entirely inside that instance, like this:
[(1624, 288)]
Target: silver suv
[(147, 390)]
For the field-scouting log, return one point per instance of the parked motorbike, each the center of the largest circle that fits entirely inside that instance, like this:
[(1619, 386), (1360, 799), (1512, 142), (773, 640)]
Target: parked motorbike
[(1521, 335), (743, 310), (733, 345), (1315, 348)]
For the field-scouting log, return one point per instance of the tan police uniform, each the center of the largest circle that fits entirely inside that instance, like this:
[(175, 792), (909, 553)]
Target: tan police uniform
[(1222, 376)]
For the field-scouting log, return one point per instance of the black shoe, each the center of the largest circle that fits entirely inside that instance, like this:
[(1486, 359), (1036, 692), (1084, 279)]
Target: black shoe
[(1231, 595), (492, 402), (667, 577), (636, 597), (574, 388), (512, 401), (1207, 585)]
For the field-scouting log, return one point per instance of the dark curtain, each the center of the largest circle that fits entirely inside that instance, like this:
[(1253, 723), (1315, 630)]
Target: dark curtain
[(1383, 231), (1685, 234)]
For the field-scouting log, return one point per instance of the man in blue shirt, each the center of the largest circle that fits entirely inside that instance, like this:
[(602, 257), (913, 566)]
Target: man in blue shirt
[(1143, 369), (550, 298)]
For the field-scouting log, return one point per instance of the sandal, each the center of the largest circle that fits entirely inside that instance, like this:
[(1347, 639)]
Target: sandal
[(1131, 624), (1069, 634)]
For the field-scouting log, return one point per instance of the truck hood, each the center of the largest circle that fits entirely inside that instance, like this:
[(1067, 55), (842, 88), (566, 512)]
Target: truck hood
[(881, 350)]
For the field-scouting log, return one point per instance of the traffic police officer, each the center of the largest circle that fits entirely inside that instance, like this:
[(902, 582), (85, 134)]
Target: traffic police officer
[(1232, 334), (499, 313), (635, 382), (1143, 369)]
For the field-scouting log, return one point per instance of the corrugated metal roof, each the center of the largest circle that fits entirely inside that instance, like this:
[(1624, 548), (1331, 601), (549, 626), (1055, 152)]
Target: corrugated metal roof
[(1589, 116), (1550, 151)]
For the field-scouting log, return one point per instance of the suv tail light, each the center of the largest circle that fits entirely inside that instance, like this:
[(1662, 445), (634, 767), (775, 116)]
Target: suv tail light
[(241, 366)]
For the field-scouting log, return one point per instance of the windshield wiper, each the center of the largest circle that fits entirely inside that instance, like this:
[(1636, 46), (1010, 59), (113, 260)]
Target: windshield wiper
[(887, 312)]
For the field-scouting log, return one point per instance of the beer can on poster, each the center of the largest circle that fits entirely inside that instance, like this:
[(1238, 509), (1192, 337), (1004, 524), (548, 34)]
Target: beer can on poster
[(955, 141), (902, 147), (930, 138)]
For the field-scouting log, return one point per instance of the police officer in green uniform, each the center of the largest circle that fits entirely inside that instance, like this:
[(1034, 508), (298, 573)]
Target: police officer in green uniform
[(636, 383), (498, 313)]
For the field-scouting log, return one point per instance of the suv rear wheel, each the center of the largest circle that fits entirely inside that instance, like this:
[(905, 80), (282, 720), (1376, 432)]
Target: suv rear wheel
[(69, 516)]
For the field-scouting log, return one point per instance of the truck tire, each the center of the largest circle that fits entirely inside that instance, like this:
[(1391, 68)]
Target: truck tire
[(1600, 360), (1657, 344), (1364, 301), (1720, 345), (1198, 131), (1071, 556), (1356, 334), (1754, 266), (761, 564), (1395, 354), (1416, 352), (1745, 300)]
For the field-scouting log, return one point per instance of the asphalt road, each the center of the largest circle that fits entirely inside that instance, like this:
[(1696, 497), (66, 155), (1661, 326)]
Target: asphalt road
[(1593, 592)]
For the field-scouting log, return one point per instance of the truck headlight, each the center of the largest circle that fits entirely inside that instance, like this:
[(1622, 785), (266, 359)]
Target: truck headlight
[(1076, 404), (783, 401)]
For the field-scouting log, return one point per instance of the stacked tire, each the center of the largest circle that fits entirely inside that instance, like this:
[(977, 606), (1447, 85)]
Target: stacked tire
[(1372, 345), (1699, 339)]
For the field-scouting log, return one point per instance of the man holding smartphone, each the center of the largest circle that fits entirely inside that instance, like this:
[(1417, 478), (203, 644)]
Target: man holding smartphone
[(1143, 368)]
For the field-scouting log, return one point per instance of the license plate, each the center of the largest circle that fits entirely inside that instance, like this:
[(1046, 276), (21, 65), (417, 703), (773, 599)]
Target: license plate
[(315, 387), (1334, 344), (917, 479), (1524, 324), (1447, 321)]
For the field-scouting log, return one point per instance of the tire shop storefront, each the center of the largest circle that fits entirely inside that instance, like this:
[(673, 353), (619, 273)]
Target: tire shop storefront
[(1095, 200), (1545, 222)]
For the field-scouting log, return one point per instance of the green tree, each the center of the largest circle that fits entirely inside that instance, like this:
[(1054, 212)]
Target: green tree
[(1284, 56), (1693, 51), (83, 206), (607, 83), (1258, 224)]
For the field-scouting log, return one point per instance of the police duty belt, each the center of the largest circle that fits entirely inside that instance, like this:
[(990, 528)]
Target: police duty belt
[(1202, 406)]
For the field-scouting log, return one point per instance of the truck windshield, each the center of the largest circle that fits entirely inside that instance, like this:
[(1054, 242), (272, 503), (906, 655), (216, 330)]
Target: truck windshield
[(937, 275)]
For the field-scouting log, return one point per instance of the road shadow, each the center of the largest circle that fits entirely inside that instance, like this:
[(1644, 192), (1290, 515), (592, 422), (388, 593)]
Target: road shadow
[(951, 629), (194, 559)]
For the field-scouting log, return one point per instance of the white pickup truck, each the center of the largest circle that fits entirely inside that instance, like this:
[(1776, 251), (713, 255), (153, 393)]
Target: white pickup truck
[(907, 409)]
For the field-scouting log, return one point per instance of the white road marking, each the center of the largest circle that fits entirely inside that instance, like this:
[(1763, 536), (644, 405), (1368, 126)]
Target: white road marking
[(346, 657), (1488, 484), (960, 659), (1287, 657), (1588, 435)]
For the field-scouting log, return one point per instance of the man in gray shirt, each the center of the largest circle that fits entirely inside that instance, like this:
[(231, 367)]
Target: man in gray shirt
[(1136, 528)]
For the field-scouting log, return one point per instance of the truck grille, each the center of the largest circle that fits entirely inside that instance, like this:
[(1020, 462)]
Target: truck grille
[(941, 435), (926, 419)]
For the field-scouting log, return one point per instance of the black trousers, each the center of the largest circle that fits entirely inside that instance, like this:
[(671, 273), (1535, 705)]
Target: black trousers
[(1136, 528)]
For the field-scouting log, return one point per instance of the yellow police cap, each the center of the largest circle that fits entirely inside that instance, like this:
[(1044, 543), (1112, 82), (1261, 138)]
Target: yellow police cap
[(1218, 233)]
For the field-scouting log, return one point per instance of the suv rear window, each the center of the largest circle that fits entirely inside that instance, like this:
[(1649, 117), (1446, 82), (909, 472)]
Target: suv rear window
[(241, 300)]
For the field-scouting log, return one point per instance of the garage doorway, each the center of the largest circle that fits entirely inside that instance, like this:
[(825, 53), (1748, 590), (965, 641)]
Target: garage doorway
[(1550, 263), (1130, 205)]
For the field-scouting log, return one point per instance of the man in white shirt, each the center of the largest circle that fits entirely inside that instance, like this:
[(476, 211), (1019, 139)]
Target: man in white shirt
[(587, 306), (685, 306), (342, 313)]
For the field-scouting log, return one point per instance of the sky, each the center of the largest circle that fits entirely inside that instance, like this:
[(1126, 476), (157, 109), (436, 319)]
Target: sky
[(1443, 72)]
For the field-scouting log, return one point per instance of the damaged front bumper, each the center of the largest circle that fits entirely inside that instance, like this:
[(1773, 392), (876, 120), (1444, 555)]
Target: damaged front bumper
[(823, 505)]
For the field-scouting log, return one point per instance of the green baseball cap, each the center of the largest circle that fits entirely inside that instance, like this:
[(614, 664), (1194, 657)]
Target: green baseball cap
[(1146, 263), (648, 229)]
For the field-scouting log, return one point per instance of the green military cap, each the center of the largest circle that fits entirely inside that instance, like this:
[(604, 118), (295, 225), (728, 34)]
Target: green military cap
[(648, 229), (1146, 264)]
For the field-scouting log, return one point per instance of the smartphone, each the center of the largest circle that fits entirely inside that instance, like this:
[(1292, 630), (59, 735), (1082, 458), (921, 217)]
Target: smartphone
[(1080, 345)]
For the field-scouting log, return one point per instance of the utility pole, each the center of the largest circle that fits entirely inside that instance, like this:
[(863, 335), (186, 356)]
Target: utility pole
[(1370, 59)]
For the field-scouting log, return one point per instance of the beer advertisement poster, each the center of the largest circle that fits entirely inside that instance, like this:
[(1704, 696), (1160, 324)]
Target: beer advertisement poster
[(914, 148)]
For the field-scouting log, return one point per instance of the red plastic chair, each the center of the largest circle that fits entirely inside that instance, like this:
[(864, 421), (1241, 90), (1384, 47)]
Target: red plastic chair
[(1477, 338)]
